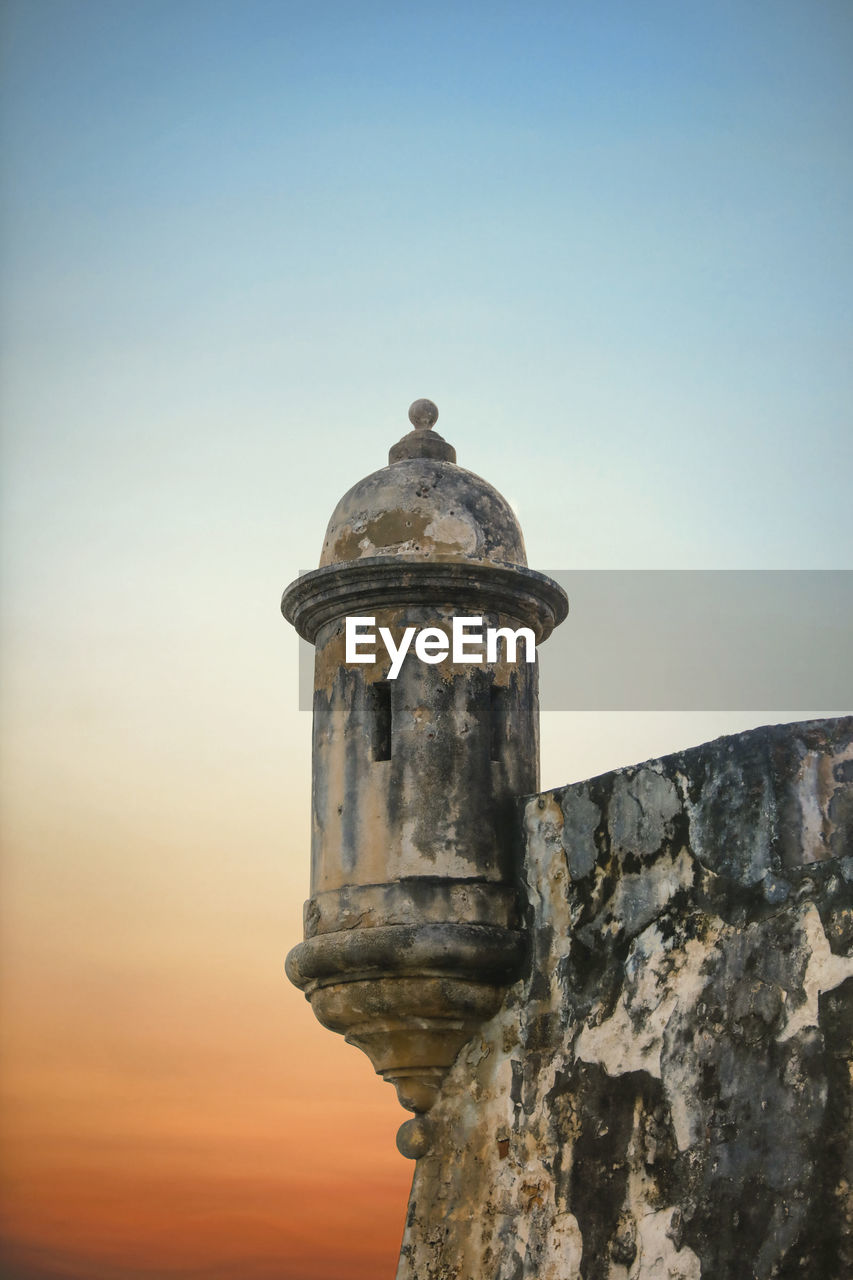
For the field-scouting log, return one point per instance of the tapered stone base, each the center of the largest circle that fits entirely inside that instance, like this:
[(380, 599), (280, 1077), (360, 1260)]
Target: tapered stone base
[(411, 1028), (409, 996)]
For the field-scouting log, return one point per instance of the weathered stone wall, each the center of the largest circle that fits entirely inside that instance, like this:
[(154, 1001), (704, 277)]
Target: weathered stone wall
[(667, 1092)]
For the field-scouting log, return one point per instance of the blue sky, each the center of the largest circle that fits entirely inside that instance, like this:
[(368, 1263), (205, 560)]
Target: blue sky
[(611, 241)]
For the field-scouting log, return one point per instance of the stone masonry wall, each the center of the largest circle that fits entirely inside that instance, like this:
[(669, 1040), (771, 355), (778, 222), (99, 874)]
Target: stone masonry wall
[(667, 1092)]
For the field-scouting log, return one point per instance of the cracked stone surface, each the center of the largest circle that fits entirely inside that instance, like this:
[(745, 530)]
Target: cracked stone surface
[(667, 1091)]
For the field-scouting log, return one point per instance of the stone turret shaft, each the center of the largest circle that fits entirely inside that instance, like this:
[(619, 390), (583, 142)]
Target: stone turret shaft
[(412, 929)]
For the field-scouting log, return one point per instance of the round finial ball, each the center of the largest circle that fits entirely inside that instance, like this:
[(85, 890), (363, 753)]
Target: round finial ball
[(414, 1138), (423, 414)]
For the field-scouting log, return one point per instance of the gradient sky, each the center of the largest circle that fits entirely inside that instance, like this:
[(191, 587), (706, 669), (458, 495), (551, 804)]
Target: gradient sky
[(611, 240)]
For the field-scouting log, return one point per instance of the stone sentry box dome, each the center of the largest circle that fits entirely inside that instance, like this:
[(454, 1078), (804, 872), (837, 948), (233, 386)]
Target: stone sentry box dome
[(412, 930)]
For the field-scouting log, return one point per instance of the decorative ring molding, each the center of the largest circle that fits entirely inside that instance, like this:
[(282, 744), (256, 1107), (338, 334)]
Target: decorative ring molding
[(479, 952), (338, 590)]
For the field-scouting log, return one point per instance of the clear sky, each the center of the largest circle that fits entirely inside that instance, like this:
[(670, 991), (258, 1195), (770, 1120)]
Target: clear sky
[(611, 240)]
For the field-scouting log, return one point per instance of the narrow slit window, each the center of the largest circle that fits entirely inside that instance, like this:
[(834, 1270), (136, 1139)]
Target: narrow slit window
[(382, 721), (497, 721)]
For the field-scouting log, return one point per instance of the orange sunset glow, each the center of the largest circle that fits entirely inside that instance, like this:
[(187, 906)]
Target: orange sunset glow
[(170, 1110)]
